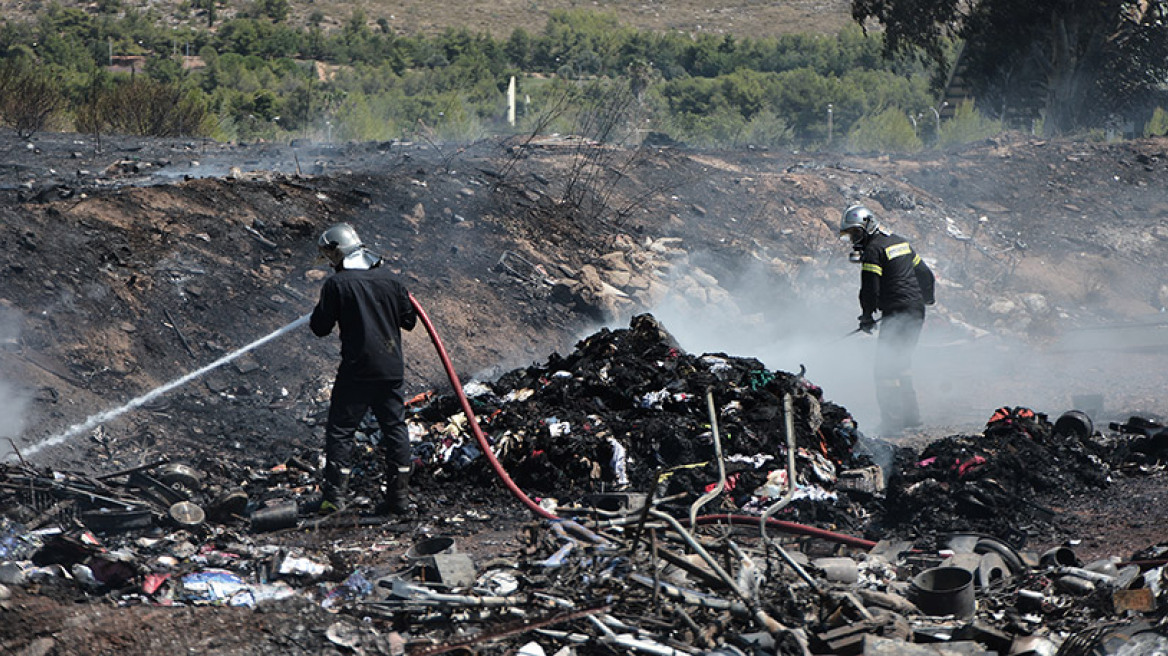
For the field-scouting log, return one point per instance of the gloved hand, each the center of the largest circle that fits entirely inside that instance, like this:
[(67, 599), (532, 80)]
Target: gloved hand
[(867, 323)]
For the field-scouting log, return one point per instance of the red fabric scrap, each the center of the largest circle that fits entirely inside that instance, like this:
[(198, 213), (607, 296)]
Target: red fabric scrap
[(153, 582), (972, 463), (731, 483)]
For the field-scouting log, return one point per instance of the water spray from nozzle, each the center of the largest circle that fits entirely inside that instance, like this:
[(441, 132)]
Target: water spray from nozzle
[(102, 417)]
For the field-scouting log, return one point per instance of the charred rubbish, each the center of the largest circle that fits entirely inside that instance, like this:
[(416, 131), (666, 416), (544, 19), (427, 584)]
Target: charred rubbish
[(700, 504)]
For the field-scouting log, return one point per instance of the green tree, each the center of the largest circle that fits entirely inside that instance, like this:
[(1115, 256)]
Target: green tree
[(1158, 125), (30, 96), (277, 10), (519, 48), (967, 125), (1076, 62), (164, 69), (889, 130), (142, 106)]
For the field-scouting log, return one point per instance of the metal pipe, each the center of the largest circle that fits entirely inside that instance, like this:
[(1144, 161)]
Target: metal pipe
[(1097, 578), (572, 526), (766, 622), (712, 494), (615, 639), (691, 597), (406, 591), (789, 426)]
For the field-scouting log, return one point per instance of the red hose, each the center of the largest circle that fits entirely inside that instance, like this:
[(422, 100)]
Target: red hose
[(485, 447)]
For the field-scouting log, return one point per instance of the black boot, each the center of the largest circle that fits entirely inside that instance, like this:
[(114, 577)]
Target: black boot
[(335, 491), (397, 495)]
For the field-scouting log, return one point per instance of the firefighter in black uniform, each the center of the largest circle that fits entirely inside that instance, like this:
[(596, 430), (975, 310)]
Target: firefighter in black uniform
[(896, 282), (371, 308)]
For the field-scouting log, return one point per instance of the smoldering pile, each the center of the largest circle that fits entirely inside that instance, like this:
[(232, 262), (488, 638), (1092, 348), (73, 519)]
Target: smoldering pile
[(628, 410), (993, 481)]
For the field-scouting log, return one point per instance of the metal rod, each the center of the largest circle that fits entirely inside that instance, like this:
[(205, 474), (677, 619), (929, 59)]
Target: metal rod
[(152, 465), (712, 494), (789, 426)]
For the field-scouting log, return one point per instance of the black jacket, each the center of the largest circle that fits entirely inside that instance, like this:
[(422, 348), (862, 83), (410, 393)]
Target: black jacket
[(371, 308), (894, 278)]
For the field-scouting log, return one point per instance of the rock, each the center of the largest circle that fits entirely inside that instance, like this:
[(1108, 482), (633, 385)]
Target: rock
[(1036, 303), (703, 278), (1002, 306), (619, 278), (615, 261)]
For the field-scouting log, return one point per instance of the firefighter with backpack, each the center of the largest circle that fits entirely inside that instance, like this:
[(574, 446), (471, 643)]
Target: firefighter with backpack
[(897, 283)]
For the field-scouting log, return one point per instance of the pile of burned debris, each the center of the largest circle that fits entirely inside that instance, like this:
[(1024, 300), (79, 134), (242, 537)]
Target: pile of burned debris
[(686, 504)]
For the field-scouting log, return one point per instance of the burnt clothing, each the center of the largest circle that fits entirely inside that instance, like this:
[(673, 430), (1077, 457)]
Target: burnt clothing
[(893, 277), (372, 309)]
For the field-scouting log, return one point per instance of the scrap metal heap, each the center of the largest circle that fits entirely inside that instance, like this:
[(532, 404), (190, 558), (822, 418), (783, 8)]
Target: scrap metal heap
[(679, 520)]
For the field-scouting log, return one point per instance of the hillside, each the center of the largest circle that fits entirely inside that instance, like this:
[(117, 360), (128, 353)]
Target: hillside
[(744, 18)]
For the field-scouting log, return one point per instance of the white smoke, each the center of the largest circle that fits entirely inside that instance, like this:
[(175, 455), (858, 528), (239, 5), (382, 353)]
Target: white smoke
[(14, 398), (961, 373)]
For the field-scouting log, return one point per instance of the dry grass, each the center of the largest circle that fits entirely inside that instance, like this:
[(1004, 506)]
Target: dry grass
[(743, 18)]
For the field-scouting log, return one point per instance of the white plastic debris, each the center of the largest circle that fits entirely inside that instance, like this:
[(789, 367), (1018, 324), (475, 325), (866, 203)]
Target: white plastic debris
[(619, 461), (297, 566)]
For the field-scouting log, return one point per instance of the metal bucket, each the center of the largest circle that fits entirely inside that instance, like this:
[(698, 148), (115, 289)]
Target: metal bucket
[(434, 546), (1059, 557), (1074, 423), (944, 591)]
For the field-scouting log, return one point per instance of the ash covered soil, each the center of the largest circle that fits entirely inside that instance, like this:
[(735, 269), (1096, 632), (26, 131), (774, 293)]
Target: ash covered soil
[(128, 266)]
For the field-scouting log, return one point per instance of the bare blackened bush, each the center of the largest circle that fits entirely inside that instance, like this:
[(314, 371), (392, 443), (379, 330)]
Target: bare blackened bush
[(29, 96), (144, 107), (601, 120)]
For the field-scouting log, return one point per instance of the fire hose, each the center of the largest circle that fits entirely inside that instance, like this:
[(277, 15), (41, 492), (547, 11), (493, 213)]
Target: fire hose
[(539, 510), (484, 446)]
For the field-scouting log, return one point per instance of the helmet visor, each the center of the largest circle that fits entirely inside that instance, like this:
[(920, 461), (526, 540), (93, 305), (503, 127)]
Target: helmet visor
[(854, 234)]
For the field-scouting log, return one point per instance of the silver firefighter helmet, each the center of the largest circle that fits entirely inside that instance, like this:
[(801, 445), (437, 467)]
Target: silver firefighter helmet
[(858, 222), (341, 246), (337, 242)]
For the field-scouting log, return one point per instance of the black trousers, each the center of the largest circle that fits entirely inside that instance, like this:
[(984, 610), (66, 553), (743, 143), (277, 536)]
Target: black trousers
[(349, 403), (895, 393)]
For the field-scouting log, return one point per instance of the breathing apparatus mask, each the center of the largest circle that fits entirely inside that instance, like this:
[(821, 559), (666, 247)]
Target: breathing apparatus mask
[(857, 252), (857, 224)]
